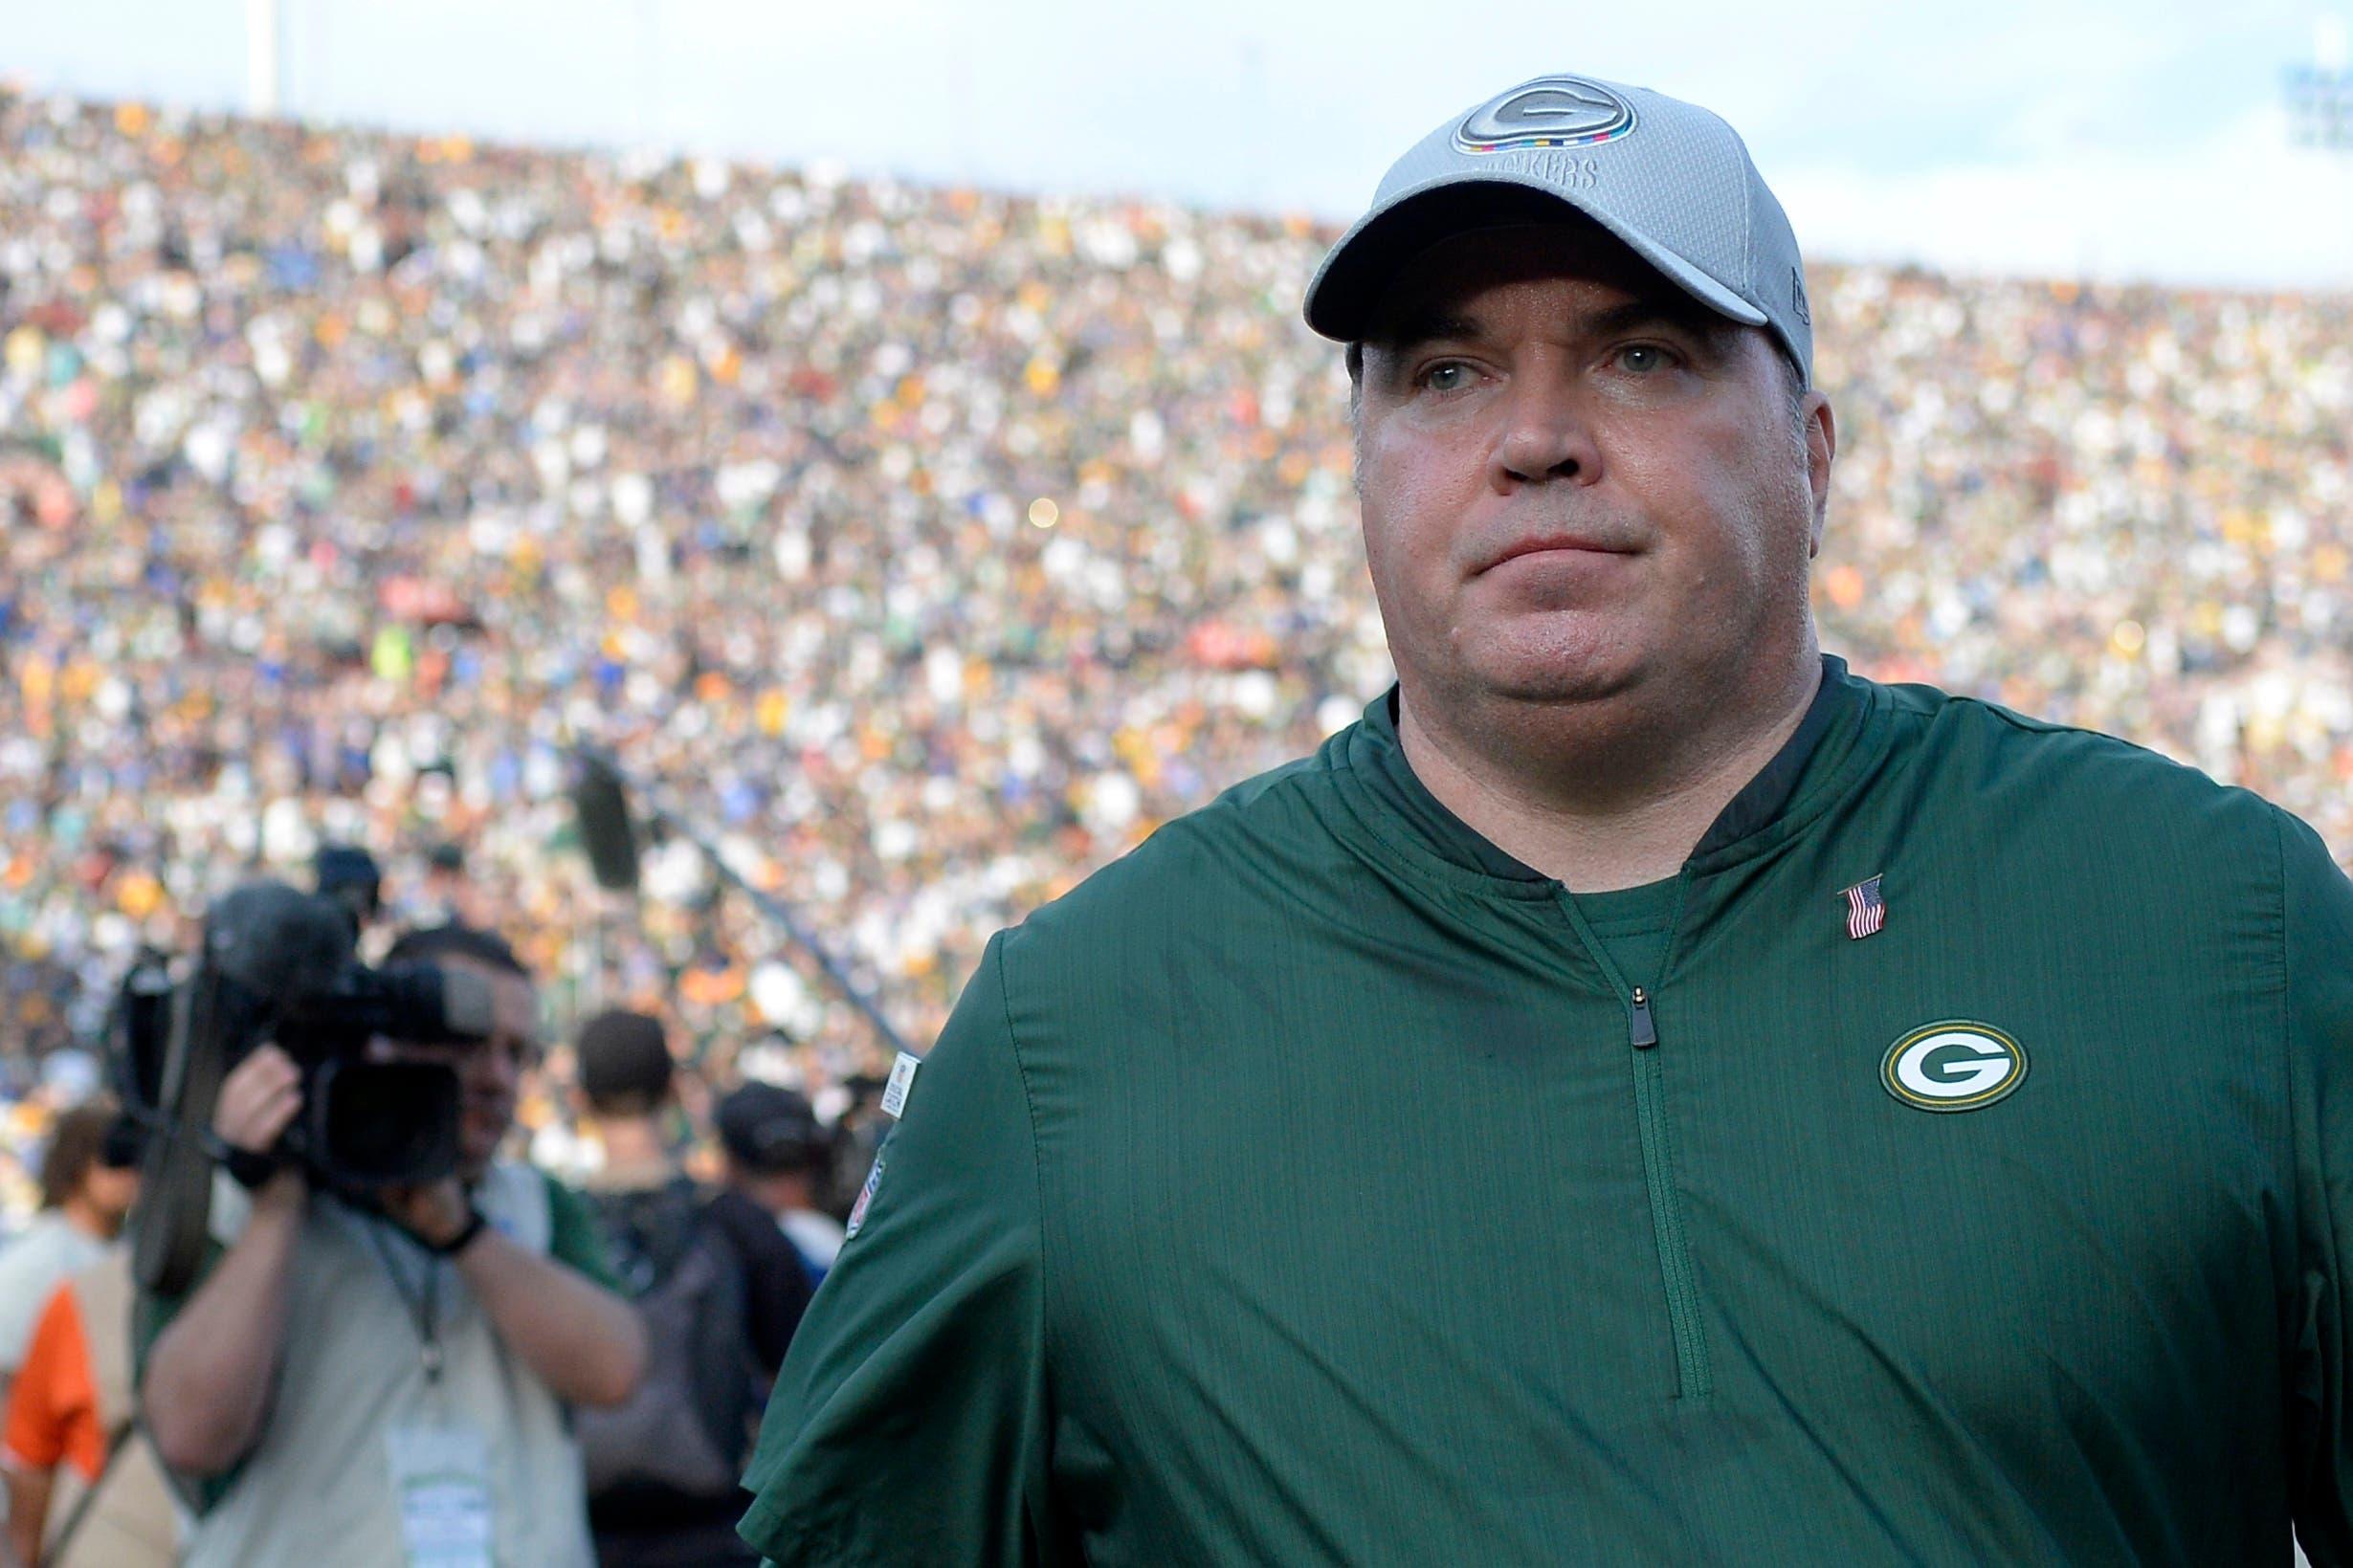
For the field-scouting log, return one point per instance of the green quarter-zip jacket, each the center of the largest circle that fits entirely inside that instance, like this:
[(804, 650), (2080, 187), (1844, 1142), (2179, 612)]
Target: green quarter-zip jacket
[(1318, 1184)]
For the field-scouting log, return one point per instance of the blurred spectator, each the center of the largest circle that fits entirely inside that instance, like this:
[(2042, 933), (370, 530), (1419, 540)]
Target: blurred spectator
[(349, 878), (722, 1292), (448, 898), (84, 1489), (89, 1180), (777, 1153)]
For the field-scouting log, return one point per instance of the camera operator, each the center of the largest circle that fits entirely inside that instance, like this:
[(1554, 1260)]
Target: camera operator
[(385, 1379)]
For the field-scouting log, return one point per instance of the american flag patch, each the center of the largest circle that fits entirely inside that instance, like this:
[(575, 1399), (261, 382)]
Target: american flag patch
[(1866, 909), (866, 1196)]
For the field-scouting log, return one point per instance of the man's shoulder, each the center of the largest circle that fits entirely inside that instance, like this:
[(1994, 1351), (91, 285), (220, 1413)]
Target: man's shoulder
[(1278, 824), (22, 1251), (2029, 768), (44, 1237)]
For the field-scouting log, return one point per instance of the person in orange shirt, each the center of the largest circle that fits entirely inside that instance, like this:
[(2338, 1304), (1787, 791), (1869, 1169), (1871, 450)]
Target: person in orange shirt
[(84, 1486)]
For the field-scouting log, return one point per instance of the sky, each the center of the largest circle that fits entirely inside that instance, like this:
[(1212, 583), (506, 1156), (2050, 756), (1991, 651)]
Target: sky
[(2113, 139)]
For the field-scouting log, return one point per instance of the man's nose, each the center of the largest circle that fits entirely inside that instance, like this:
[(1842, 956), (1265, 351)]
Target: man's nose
[(1546, 436)]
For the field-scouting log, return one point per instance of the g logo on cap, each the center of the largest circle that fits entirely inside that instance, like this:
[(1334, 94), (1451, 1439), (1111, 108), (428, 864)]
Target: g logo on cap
[(1953, 1066), (1548, 112)]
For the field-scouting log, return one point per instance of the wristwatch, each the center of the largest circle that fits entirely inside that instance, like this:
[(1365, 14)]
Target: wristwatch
[(247, 1169)]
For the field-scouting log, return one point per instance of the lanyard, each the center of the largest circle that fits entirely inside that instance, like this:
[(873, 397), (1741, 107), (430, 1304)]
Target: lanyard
[(424, 1307)]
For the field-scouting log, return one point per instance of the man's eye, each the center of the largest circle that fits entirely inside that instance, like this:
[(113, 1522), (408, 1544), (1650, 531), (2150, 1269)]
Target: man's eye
[(1643, 358), (1446, 378)]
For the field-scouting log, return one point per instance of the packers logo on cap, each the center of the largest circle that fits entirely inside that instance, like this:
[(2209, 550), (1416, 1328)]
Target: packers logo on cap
[(1953, 1066), (1548, 112)]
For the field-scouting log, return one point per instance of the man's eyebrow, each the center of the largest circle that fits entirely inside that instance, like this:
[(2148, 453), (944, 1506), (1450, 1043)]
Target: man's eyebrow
[(1683, 315), (1427, 327)]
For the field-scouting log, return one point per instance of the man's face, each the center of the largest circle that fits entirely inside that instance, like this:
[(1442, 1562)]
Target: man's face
[(489, 1074), (1577, 482)]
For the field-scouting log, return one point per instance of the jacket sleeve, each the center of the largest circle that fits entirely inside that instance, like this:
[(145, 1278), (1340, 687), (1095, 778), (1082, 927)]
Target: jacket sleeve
[(2318, 957), (909, 1423)]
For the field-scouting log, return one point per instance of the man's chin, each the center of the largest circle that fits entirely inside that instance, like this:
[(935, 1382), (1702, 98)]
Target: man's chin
[(1552, 675)]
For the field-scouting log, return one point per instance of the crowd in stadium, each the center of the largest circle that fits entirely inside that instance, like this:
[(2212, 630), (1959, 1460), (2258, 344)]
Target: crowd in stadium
[(929, 546)]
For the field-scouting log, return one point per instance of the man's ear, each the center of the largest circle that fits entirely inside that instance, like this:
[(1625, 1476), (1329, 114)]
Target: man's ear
[(1821, 428)]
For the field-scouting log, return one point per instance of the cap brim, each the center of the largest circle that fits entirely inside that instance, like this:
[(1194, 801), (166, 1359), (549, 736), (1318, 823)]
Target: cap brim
[(1347, 287)]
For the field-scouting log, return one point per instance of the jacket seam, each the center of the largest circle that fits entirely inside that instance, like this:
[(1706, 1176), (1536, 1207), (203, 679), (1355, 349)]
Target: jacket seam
[(2287, 1067), (2026, 725), (1038, 1160), (1673, 949), (1038, 1183)]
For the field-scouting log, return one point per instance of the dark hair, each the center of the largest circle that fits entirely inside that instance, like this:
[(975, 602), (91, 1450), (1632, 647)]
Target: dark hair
[(622, 1061), (77, 1142), (349, 878), (456, 941)]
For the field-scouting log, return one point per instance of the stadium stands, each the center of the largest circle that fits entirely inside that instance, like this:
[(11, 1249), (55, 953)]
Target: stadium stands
[(931, 544)]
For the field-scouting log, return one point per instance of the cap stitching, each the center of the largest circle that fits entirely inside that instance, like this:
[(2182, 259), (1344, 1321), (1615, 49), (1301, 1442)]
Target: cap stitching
[(1750, 181)]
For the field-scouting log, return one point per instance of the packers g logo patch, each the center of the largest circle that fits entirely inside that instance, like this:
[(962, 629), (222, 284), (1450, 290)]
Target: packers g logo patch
[(1953, 1066), (1548, 112)]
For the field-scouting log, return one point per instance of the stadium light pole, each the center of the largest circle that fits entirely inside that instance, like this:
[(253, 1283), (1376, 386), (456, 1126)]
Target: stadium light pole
[(265, 27)]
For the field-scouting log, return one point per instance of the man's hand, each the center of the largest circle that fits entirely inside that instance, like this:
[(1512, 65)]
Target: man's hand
[(433, 1213), (258, 1098), (206, 1392), (586, 1343)]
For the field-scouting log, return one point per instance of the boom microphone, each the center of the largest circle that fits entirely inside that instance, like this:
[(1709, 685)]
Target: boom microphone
[(600, 794), (606, 830)]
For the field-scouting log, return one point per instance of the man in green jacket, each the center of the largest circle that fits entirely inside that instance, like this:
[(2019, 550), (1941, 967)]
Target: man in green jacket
[(1644, 1095)]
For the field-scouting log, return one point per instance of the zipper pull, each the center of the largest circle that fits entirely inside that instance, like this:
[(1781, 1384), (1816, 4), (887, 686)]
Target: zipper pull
[(1643, 1033)]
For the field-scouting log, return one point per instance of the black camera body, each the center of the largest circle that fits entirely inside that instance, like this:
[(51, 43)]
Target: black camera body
[(280, 966)]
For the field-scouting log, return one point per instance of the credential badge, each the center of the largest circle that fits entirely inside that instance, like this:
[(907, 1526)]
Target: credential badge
[(902, 1079)]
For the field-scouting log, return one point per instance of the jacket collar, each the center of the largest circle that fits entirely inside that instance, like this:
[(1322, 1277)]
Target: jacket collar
[(1375, 756)]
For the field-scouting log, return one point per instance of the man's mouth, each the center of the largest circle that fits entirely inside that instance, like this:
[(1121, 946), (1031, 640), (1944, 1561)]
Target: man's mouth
[(1554, 545)]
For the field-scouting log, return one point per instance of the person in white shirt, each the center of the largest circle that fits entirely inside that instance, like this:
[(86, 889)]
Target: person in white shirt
[(89, 1178)]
